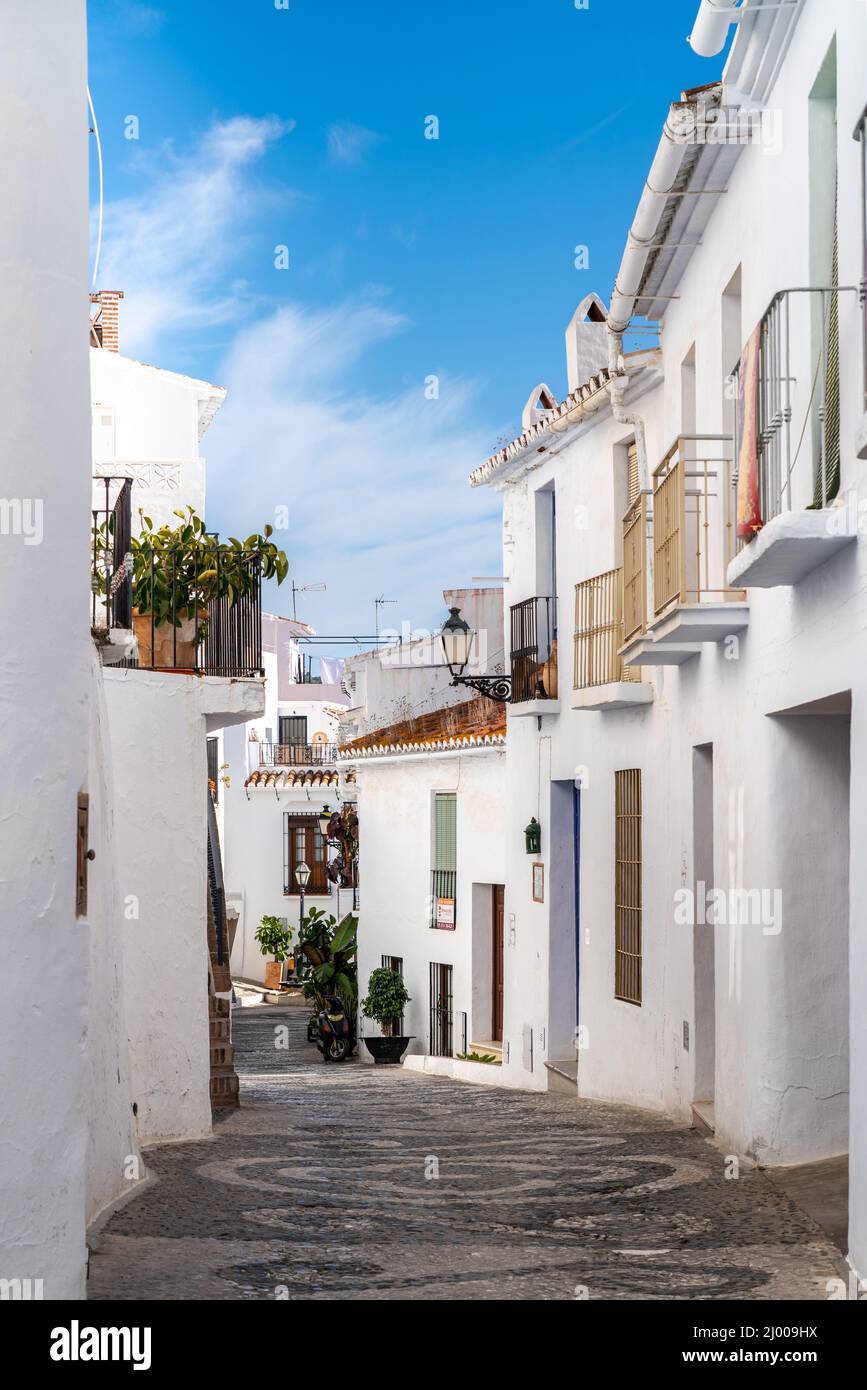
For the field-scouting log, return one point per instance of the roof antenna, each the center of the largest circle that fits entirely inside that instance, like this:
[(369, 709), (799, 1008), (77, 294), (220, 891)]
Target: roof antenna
[(317, 588), (377, 604)]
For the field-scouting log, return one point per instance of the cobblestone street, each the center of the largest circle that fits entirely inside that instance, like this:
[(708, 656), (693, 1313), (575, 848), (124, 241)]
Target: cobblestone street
[(318, 1184)]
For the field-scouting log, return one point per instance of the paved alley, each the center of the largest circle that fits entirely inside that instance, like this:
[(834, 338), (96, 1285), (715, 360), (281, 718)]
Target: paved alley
[(354, 1182)]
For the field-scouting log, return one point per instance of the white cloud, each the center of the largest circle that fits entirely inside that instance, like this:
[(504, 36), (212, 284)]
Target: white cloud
[(376, 486), (140, 20), (171, 247), (348, 143)]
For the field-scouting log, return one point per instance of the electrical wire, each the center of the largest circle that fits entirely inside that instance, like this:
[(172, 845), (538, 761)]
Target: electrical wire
[(99, 157)]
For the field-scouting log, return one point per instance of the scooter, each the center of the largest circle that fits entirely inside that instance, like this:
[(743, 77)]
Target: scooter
[(335, 1039)]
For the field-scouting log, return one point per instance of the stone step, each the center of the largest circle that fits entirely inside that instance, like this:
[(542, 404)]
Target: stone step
[(703, 1117), (224, 1092), (219, 1029), (222, 1055), (563, 1076)]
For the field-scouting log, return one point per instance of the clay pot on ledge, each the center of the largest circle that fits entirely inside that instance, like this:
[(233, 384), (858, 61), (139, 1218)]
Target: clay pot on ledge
[(157, 647)]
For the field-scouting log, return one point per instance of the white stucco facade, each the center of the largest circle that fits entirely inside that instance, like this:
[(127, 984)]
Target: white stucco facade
[(43, 1017), (752, 752), (277, 770), (147, 424)]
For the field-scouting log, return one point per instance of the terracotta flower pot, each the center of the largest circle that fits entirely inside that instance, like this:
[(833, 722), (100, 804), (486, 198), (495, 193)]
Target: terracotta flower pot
[(273, 974), (157, 647)]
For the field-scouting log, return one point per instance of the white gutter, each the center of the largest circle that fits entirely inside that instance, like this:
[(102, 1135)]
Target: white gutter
[(678, 138)]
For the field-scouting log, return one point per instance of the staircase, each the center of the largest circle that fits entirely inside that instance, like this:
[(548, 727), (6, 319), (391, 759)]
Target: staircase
[(224, 1078)]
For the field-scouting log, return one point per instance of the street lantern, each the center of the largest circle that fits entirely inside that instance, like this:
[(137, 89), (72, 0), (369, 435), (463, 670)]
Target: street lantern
[(533, 837), (302, 877), (457, 640), (324, 821)]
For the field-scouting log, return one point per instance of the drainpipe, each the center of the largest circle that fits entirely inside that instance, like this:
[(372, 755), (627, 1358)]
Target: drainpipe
[(711, 28), (665, 170)]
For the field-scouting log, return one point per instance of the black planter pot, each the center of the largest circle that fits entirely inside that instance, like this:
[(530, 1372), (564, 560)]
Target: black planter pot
[(387, 1050)]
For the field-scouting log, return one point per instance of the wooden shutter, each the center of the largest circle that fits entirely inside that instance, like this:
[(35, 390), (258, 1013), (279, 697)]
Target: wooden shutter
[(633, 480), (627, 886), (445, 831)]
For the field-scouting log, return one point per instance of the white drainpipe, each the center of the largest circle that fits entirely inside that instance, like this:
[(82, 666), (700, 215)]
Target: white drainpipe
[(711, 28), (663, 175)]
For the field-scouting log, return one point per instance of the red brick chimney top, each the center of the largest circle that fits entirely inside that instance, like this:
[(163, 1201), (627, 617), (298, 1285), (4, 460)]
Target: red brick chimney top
[(105, 325)]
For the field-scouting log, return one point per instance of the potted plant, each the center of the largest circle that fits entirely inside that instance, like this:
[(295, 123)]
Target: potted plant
[(386, 1000), (177, 571), (274, 937)]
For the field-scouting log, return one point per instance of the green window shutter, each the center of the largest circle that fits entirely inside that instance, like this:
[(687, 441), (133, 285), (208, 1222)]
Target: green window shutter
[(445, 831)]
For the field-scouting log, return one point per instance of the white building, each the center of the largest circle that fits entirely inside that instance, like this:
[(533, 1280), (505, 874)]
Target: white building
[(429, 761), (147, 423), (104, 1025), (705, 752), (280, 772)]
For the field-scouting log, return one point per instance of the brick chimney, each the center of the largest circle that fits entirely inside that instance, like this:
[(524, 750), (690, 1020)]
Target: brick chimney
[(107, 320)]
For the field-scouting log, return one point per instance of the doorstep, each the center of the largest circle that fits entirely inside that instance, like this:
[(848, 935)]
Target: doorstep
[(563, 1076), (478, 1073), (703, 1116), (789, 547)]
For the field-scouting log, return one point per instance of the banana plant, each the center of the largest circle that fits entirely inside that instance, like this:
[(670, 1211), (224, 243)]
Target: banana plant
[(330, 947)]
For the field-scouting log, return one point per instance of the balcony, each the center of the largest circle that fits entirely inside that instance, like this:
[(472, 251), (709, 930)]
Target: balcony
[(193, 608), (297, 754), (534, 657), (691, 532), (601, 681), (788, 441)]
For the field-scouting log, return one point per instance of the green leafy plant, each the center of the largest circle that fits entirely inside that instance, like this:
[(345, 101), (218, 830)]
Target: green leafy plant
[(331, 948), (274, 937), (179, 570), (386, 999), (477, 1057)]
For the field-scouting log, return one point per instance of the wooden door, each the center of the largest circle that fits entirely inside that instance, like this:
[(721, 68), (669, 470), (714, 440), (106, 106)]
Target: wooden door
[(498, 899)]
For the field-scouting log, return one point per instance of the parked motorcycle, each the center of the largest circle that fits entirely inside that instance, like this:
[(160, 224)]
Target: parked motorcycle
[(335, 1040)]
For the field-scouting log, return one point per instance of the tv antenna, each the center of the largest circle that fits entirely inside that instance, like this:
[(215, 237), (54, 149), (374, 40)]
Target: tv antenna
[(317, 588), (381, 603)]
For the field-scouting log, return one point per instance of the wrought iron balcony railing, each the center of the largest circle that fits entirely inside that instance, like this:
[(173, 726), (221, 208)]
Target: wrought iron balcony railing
[(599, 632), (534, 650), (297, 754), (794, 370), (210, 603)]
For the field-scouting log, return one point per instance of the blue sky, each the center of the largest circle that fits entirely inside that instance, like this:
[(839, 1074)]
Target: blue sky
[(408, 258)]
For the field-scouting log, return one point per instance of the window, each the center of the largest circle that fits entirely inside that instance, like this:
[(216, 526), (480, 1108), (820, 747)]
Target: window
[(443, 874), (293, 730), (627, 886), (303, 842)]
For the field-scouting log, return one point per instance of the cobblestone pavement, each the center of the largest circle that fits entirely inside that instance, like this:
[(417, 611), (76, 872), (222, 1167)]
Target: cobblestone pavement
[(319, 1185)]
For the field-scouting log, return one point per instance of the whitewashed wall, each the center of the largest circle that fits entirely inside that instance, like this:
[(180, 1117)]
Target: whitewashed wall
[(45, 433), (160, 781), (154, 431), (783, 792), (112, 1140), (395, 811)]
